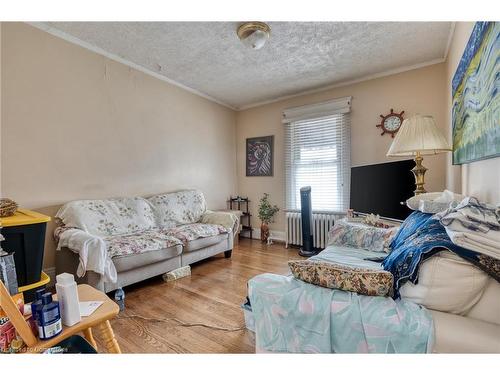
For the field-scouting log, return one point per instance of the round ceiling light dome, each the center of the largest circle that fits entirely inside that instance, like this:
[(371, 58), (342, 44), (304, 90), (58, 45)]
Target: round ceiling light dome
[(254, 34)]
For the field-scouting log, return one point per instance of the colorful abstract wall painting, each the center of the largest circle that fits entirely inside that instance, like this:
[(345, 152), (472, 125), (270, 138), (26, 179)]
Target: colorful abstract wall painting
[(475, 96)]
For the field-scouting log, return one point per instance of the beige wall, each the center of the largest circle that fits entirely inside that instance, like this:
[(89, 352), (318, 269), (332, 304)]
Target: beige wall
[(480, 178), (78, 125), (416, 91)]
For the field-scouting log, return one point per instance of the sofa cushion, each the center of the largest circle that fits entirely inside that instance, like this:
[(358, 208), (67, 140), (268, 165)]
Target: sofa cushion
[(182, 207), (108, 217), (446, 283), (366, 281), (133, 261), (190, 232), (138, 243), (203, 242)]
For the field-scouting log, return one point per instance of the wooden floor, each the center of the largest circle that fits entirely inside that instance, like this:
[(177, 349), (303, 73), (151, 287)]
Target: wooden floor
[(183, 316)]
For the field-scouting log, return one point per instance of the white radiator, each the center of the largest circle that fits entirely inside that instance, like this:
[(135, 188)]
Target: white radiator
[(322, 222)]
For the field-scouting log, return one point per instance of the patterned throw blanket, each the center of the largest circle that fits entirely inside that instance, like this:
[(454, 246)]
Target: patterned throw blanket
[(421, 236), (472, 215), (473, 225), (292, 316)]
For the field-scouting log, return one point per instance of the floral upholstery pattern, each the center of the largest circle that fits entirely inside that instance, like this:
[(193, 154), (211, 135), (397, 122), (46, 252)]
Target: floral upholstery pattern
[(183, 207), (99, 230), (191, 232), (363, 281), (58, 232), (138, 243), (227, 219), (359, 235), (108, 217)]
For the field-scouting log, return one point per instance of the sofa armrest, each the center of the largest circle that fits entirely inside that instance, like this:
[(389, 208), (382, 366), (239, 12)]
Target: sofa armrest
[(227, 219), (459, 334), (68, 261), (91, 250)]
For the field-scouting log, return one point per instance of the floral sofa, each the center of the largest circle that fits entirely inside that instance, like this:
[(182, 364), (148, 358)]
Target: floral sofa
[(112, 243)]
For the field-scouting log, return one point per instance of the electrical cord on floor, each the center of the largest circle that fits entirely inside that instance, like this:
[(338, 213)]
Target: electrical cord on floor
[(180, 322)]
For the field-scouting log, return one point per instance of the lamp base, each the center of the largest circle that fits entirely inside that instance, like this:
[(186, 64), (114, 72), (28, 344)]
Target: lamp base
[(419, 172)]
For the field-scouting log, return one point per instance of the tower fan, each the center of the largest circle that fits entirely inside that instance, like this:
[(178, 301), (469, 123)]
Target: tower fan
[(307, 248)]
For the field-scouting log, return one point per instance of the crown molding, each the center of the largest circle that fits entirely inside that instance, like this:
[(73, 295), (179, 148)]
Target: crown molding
[(346, 83), (69, 38)]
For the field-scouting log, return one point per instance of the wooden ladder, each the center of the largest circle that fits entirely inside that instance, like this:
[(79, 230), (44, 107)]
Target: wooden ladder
[(17, 319)]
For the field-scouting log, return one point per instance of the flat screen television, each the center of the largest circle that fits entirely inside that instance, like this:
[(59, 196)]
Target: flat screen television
[(380, 188)]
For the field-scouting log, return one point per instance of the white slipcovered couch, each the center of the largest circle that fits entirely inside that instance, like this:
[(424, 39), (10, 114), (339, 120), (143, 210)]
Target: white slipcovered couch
[(111, 243)]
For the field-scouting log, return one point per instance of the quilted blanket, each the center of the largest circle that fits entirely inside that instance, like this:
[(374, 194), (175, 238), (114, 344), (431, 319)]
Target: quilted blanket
[(295, 317)]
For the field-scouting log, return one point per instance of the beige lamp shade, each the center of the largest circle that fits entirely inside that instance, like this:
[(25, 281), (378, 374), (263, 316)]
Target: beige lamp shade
[(418, 135)]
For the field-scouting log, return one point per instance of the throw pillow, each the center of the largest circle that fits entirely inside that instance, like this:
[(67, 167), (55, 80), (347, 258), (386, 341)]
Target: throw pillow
[(366, 281), (432, 203), (360, 235)]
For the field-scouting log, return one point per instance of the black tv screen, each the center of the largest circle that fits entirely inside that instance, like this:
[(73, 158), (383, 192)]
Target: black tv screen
[(380, 188)]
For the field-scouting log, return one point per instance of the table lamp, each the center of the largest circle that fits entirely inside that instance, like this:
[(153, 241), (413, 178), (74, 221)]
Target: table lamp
[(418, 136)]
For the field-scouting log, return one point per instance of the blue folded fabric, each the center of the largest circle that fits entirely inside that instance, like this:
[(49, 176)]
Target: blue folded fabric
[(408, 227), (419, 237)]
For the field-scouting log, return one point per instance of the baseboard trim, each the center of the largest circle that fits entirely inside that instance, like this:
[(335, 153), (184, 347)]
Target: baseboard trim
[(275, 235), (278, 235)]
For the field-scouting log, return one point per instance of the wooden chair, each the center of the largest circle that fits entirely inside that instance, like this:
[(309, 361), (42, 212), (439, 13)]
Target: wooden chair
[(99, 319)]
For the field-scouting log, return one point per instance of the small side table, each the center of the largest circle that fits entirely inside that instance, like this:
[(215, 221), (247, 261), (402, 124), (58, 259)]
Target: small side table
[(235, 204), (99, 319)]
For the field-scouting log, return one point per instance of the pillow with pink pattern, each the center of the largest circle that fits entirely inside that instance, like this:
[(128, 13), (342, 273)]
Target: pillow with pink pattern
[(361, 236)]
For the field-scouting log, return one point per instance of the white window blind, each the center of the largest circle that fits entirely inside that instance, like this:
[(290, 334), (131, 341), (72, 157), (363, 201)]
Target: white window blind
[(317, 147)]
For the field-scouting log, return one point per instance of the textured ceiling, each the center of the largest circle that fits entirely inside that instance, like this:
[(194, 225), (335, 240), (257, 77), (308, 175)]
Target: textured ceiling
[(299, 56)]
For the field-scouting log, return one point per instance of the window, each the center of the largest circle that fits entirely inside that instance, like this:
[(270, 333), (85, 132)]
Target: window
[(317, 147)]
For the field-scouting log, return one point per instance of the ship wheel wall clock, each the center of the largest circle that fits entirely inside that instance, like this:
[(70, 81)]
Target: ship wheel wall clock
[(391, 123)]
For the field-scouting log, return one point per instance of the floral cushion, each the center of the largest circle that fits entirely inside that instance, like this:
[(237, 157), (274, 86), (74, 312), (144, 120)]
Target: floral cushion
[(366, 281), (191, 232), (138, 243), (108, 217), (183, 207), (360, 235)]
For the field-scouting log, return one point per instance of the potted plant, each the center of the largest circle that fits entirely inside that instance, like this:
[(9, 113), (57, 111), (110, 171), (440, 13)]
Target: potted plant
[(266, 214)]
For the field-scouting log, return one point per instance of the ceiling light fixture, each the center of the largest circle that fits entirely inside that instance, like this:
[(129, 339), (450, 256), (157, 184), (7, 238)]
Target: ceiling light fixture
[(254, 34)]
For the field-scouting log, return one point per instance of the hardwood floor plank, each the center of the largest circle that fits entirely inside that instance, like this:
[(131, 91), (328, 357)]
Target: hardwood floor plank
[(211, 296)]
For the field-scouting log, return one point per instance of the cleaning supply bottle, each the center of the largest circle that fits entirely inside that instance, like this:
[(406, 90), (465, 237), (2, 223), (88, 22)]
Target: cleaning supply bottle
[(37, 303), (67, 295), (49, 318)]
